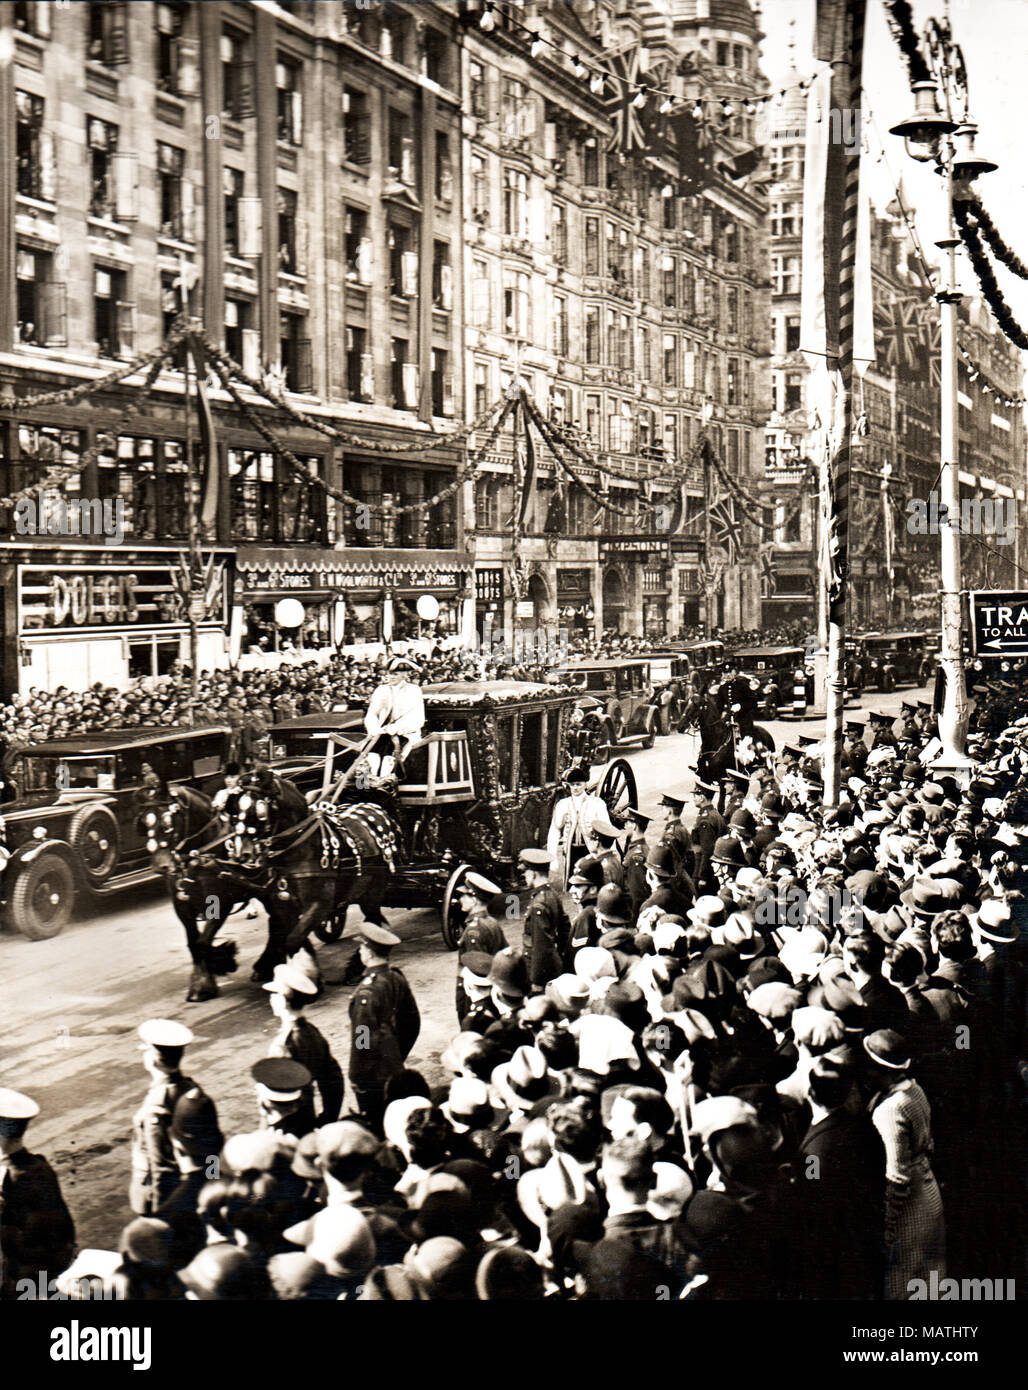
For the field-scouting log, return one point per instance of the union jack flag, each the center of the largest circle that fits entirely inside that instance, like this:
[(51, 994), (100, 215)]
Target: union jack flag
[(724, 526), (624, 77), (901, 331)]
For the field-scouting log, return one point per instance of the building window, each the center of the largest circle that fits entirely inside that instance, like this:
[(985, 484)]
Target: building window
[(400, 152), (793, 391), (289, 101), (233, 186), (479, 89), (396, 37), (625, 343), (288, 260), (481, 305), (113, 316), (236, 75), (645, 354), (129, 475), (360, 383), (559, 225), (102, 138), (42, 311), (515, 202), (670, 360), (295, 349), (785, 274), (560, 405), (592, 419), (515, 109), (240, 335), (592, 333), (480, 189), (108, 33), (167, 30), (668, 207), (481, 388), (171, 302), (443, 168), (732, 309), (403, 376), (252, 493), (442, 383), (671, 436), (357, 247), (785, 219), (560, 325), (792, 333), (33, 19), (592, 246), (29, 144), (170, 165), (517, 317), (403, 261), (356, 126), (669, 271), (442, 276), (732, 392), (438, 65), (590, 163)]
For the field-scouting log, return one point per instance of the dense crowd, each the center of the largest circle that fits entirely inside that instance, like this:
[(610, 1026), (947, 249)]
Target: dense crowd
[(777, 1052)]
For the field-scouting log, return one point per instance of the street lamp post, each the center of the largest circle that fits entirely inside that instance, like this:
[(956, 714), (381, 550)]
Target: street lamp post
[(929, 136)]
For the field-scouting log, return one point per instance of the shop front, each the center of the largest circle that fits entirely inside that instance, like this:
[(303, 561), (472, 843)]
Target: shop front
[(489, 592), (575, 613), (109, 617), (342, 602)]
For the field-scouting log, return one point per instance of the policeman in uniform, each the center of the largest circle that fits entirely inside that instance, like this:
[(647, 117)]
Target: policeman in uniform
[(708, 827), (604, 837), (674, 833), (384, 1023), (881, 727), (737, 689), (665, 897), (291, 990), (633, 865), (155, 1171), (283, 1095), (584, 886), (37, 1234), (482, 933), (854, 749), (547, 929)]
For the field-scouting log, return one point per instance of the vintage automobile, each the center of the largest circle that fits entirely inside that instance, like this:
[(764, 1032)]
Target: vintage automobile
[(776, 671), (890, 659), (295, 748), (477, 789), (630, 711), (675, 673), (72, 831)]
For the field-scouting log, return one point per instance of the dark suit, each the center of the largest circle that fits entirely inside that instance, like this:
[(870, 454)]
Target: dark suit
[(36, 1229), (384, 1026), (886, 1006), (305, 1044), (839, 1220), (708, 828), (634, 868), (547, 936)]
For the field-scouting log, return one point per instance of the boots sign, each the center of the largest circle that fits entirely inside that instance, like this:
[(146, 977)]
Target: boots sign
[(999, 622)]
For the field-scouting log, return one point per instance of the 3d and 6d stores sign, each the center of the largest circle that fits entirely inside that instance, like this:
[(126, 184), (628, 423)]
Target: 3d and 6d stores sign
[(69, 597)]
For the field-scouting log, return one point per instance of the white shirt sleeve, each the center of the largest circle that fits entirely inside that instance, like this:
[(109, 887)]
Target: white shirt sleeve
[(408, 714), (379, 709)]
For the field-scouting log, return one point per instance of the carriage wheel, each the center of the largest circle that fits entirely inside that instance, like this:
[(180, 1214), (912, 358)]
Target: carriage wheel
[(608, 737), (453, 922), (618, 788)]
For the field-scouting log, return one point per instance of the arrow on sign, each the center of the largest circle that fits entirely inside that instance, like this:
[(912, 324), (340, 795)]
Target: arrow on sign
[(1015, 650)]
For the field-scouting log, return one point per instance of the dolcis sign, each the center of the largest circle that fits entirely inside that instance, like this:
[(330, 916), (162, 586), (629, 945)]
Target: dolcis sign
[(999, 622)]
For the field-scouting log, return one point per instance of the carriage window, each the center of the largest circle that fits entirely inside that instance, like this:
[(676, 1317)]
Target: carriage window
[(596, 680), (532, 774), (505, 753), (552, 745)]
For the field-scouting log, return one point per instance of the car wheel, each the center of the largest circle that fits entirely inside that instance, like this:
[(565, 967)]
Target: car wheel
[(93, 835), (651, 727), (888, 682), (453, 919), (41, 900)]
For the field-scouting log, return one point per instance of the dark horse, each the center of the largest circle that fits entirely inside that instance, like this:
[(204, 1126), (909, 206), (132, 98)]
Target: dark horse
[(717, 737)]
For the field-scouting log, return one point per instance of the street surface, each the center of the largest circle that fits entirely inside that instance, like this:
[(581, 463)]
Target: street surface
[(71, 1006)]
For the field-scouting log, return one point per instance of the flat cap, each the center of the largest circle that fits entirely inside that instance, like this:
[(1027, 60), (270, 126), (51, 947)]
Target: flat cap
[(535, 858), (377, 936), (164, 1032), (280, 1077)]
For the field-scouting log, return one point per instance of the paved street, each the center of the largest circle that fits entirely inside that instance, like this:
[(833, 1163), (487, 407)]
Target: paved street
[(72, 1005)]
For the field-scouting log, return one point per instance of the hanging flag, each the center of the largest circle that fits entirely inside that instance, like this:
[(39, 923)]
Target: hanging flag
[(528, 477), (208, 445), (625, 73)]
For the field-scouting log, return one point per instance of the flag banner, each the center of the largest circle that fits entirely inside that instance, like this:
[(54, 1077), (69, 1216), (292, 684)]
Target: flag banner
[(208, 444), (625, 73), (528, 477)]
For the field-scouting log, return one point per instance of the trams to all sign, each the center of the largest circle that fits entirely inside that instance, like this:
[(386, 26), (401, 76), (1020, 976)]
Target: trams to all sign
[(999, 622)]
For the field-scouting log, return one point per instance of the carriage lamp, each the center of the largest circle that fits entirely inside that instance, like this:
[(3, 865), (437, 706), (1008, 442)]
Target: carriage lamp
[(245, 801), (240, 827), (261, 810), (151, 846)]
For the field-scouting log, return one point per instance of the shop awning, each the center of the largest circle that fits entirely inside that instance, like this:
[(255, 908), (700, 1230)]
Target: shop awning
[(270, 571)]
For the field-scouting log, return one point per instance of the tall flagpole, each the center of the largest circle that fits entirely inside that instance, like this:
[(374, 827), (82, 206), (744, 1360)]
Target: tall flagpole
[(840, 39)]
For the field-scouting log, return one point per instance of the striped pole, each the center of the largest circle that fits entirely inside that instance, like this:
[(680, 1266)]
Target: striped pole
[(840, 37)]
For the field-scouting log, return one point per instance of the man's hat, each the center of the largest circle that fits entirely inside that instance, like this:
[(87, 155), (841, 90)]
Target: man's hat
[(602, 826), (195, 1124), (709, 911), (165, 1033), (577, 774), (772, 805), (853, 726), (805, 740), (888, 1049), (509, 973), (400, 663), (640, 817), (994, 922), (927, 897), (477, 965), (480, 885), (674, 803), (535, 858), (614, 904), (280, 1079), (708, 788), (727, 850), (16, 1106), (661, 860), (377, 936), (288, 979), (743, 820), (588, 872)]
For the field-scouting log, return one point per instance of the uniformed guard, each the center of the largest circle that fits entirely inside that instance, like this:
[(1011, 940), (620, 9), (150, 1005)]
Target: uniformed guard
[(291, 989), (854, 749), (584, 886), (37, 1234), (881, 728), (384, 1023), (665, 897), (154, 1168), (547, 929), (482, 934), (283, 1090), (634, 863), (707, 829), (674, 833), (607, 849)]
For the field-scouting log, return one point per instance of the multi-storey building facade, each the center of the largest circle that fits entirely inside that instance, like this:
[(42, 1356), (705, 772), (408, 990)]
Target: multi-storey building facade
[(631, 301), (301, 164), (894, 561)]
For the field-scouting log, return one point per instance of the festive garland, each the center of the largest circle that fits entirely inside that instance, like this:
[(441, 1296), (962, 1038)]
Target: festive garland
[(900, 18), (277, 398), (989, 387), (543, 426), (999, 248), (986, 276), (86, 388)]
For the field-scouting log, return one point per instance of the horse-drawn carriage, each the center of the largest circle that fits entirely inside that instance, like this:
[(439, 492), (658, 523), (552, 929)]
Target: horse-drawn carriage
[(479, 787)]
